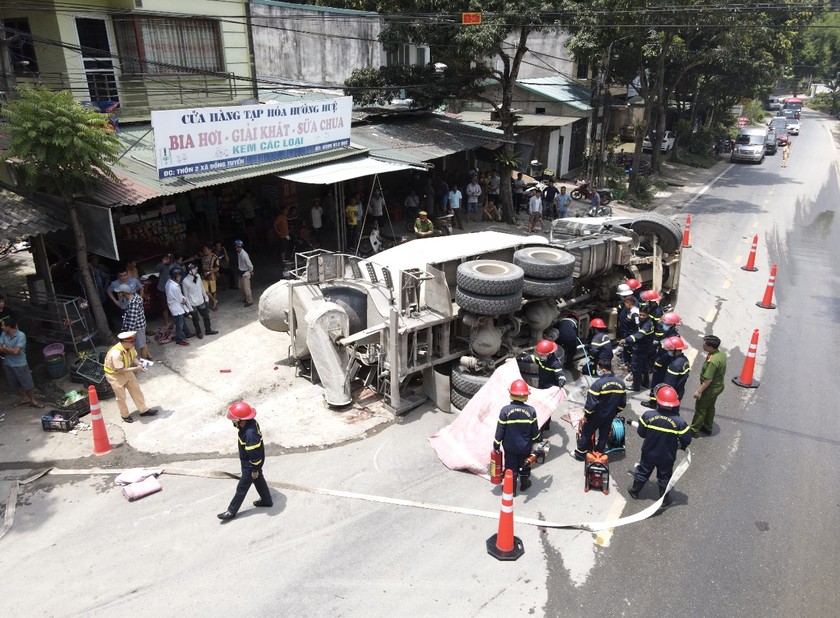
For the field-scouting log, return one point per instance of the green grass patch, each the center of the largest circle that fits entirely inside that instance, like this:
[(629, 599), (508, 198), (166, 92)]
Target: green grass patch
[(698, 160)]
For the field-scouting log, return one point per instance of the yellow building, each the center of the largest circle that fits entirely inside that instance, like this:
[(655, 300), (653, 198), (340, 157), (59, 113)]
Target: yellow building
[(143, 54)]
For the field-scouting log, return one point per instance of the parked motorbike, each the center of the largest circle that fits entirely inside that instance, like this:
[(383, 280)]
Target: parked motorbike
[(584, 192)]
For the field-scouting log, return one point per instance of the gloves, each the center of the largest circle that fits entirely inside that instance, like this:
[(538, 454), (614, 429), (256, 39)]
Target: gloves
[(497, 449), (523, 358)]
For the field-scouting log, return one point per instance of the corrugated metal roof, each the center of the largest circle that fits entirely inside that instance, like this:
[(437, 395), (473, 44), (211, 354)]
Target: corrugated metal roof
[(139, 180), (20, 217), (416, 140), (524, 120), (560, 89)]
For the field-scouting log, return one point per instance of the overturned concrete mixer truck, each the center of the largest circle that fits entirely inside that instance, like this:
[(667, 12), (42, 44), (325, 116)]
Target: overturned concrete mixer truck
[(433, 317)]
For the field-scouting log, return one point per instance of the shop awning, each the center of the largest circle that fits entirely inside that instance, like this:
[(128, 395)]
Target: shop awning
[(339, 171), (23, 218)]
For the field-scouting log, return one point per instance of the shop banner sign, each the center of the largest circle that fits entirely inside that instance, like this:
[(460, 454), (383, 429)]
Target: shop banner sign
[(197, 141)]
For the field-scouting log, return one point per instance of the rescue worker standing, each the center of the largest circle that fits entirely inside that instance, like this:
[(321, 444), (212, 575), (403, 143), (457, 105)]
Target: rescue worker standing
[(671, 368), (667, 326), (663, 431), (606, 398), (517, 431), (251, 459), (599, 348), (642, 342), (712, 378), (120, 365), (628, 321)]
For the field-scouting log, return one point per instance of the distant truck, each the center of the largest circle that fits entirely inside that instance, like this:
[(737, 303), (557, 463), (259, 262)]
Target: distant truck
[(450, 309)]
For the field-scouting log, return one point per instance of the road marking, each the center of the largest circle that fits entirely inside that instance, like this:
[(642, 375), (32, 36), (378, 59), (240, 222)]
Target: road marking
[(691, 354), (738, 259), (710, 317), (602, 539), (726, 283), (709, 185)]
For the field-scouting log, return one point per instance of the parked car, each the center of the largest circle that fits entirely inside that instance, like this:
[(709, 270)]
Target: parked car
[(667, 142), (750, 145), (780, 124), (772, 104), (772, 144), (628, 133), (793, 126)]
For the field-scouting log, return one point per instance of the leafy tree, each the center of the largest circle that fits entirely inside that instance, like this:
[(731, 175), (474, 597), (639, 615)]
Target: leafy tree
[(64, 148), (471, 54)]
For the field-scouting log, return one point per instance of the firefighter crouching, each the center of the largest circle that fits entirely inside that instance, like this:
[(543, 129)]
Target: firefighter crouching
[(550, 370), (663, 430), (606, 398), (518, 432)]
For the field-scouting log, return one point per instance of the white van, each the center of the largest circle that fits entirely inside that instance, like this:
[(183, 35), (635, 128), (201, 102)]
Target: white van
[(750, 145)]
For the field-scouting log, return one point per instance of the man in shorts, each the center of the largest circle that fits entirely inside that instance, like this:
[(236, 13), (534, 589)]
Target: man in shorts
[(18, 375)]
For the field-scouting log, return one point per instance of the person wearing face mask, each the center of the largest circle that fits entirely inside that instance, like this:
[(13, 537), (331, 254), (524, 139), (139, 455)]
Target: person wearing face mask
[(671, 367), (606, 398)]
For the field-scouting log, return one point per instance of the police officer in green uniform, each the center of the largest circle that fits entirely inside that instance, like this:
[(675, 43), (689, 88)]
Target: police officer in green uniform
[(711, 385)]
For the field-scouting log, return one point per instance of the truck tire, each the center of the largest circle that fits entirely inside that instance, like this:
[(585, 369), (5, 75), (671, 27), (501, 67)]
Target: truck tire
[(488, 305), (668, 232), (458, 400), (465, 382), (541, 288), (490, 277), (545, 262)]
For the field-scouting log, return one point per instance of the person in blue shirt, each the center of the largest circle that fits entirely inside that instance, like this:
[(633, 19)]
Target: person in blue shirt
[(18, 375), (123, 279)]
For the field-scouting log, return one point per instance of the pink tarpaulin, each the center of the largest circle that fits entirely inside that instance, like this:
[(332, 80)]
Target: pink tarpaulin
[(466, 443)]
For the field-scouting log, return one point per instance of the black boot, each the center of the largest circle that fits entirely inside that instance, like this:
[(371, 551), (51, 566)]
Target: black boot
[(635, 488), (524, 483), (667, 501), (637, 382), (645, 379)]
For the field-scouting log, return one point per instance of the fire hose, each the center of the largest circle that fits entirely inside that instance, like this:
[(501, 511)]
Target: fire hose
[(592, 526)]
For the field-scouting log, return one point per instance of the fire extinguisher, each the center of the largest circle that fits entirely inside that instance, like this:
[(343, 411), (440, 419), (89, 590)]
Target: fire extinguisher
[(496, 470)]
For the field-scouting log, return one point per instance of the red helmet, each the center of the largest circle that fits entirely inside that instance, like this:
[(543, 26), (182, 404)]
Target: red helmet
[(651, 296), (666, 397), (633, 284), (675, 343), (519, 388), (597, 323), (546, 347), (241, 411), (671, 319)]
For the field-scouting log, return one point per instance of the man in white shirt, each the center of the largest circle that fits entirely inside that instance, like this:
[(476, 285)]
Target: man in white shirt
[(473, 193), (197, 298), (178, 306), (455, 198), (534, 211), (246, 271), (377, 207)]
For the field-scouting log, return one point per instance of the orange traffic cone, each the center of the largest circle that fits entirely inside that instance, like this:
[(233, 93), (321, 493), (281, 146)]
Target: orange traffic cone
[(503, 545), (687, 233), (746, 377), (101, 443), (767, 301), (751, 260)]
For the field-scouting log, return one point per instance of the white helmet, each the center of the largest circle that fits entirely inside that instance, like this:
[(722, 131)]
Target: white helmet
[(624, 290)]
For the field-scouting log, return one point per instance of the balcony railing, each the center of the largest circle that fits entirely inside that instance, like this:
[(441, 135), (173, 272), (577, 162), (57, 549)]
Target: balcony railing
[(137, 94)]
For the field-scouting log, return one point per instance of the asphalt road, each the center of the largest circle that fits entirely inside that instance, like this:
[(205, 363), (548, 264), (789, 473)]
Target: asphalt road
[(753, 533), (756, 528)]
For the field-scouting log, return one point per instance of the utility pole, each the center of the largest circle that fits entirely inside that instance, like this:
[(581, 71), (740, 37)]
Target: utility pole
[(8, 83)]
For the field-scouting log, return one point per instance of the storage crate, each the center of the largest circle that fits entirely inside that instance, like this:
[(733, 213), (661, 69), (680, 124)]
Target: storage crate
[(60, 420), (80, 408), (91, 370)]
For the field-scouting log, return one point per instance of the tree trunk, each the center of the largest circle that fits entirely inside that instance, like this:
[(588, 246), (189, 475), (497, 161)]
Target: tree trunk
[(96, 309)]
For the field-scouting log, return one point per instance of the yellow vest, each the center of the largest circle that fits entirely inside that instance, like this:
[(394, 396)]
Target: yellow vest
[(128, 357)]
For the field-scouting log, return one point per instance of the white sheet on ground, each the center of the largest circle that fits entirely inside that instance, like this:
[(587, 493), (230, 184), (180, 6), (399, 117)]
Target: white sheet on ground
[(465, 444)]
